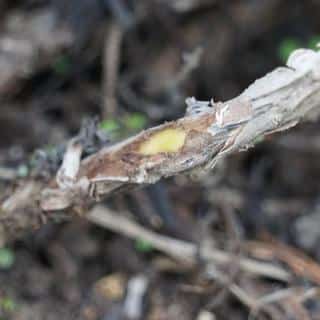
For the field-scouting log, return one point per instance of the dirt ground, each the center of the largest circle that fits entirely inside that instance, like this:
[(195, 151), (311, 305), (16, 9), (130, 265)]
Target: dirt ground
[(132, 64)]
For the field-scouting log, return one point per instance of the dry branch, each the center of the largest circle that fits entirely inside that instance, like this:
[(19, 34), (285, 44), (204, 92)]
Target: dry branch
[(182, 250), (207, 133)]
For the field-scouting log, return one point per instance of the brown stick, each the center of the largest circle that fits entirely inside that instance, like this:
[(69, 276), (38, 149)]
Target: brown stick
[(207, 133), (181, 250)]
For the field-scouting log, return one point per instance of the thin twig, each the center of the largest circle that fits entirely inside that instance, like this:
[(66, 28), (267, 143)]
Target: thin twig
[(178, 249), (111, 61)]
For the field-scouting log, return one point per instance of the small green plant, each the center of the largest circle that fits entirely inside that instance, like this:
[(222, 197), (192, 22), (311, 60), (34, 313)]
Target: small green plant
[(314, 42), (6, 258), (7, 304), (135, 121), (288, 45), (143, 246), (125, 125), (109, 125)]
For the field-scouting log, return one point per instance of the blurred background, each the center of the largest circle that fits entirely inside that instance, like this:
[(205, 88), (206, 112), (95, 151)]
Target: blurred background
[(132, 64)]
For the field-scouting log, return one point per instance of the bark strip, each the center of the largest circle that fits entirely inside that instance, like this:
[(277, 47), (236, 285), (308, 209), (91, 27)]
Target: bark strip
[(208, 132)]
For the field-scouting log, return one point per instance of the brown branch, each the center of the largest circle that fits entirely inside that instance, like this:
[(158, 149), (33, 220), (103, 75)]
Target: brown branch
[(186, 252), (207, 133)]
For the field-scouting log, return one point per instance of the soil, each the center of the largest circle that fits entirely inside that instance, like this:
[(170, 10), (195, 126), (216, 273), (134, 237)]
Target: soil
[(57, 60)]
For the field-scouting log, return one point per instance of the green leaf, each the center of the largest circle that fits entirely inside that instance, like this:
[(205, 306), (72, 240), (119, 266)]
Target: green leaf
[(109, 125), (135, 121), (143, 246), (6, 258), (287, 46)]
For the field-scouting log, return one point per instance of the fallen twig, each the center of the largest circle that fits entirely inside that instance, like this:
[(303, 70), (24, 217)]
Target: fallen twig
[(178, 249), (299, 263), (209, 132)]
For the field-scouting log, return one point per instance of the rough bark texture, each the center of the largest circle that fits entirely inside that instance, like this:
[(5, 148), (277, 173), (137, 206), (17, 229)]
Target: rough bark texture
[(207, 133)]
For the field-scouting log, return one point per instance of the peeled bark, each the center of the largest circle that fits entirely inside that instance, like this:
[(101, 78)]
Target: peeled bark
[(206, 134)]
